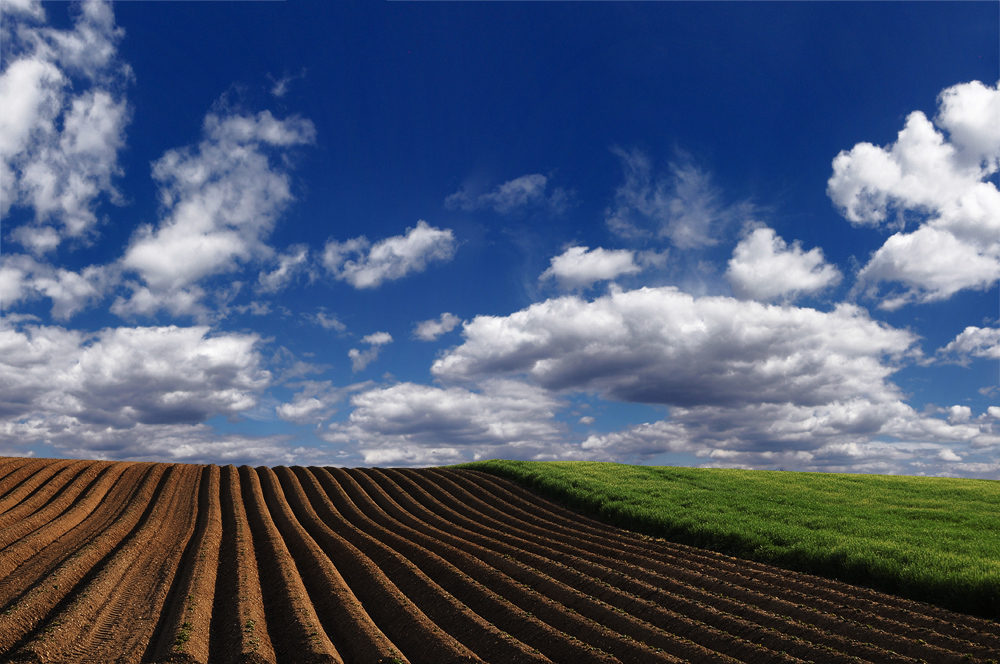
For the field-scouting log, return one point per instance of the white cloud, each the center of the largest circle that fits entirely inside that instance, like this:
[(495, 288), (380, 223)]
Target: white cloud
[(682, 206), (32, 8), (931, 264), (430, 330), (579, 267), (71, 388), (329, 322), (968, 112), (423, 425), (280, 87), (62, 126), (170, 443), (947, 454), (659, 345), (22, 279), (959, 414), (765, 268), (377, 338), (302, 410), (511, 196), (972, 342), (941, 184), (222, 200), (361, 359), (316, 401), (389, 259), (289, 265), (841, 436)]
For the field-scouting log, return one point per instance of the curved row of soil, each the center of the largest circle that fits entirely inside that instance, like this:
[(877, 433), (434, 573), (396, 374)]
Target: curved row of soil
[(143, 562)]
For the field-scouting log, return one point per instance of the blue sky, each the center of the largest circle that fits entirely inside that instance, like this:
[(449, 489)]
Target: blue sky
[(760, 235)]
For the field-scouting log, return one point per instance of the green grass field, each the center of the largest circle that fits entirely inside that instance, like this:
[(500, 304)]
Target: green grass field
[(931, 539)]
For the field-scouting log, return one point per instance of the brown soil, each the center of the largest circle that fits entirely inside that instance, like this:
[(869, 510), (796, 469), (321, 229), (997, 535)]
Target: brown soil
[(138, 562)]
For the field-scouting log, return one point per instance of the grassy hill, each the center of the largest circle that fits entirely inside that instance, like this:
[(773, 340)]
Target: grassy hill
[(930, 539)]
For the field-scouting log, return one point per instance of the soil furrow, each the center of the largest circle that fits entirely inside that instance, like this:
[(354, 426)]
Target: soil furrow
[(114, 614), (368, 517), (296, 632), (25, 497), (88, 516), (523, 587), (851, 602), (795, 622), (342, 614), (84, 562), (185, 630), (556, 580), (395, 589), (140, 563), (610, 581), (10, 464), (21, 473), (239, 630), (59, 501)]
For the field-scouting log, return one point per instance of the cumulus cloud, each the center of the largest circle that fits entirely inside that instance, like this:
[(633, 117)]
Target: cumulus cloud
[(579, 267), (972, 342), (361, 359), (222, 199), (60, 385), (683, 205), (389, 259), (171, 443), (430, 330), (63, 123), (842, 436), (659, 345), (422, 425), (940, 183), (518, 194), (765, 268)]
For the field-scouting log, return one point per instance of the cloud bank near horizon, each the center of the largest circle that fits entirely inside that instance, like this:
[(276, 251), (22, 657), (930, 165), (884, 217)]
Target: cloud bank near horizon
[(784, 359)]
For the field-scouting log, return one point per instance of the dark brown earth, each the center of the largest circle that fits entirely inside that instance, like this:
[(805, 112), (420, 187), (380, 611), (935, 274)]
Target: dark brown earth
[(139, 562)]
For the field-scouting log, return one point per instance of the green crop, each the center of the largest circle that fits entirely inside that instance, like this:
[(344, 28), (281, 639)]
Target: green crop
[(930, 539)]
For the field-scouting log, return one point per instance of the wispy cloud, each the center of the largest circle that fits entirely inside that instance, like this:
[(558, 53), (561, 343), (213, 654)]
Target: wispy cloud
[(328, 322), (279, 87), (290, 264), (22, 278), (360, 359), (316, 401), (527, 191), (682, 205)]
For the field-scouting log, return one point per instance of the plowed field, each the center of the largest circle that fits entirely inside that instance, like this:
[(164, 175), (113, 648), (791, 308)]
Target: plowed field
[(143, 562)]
